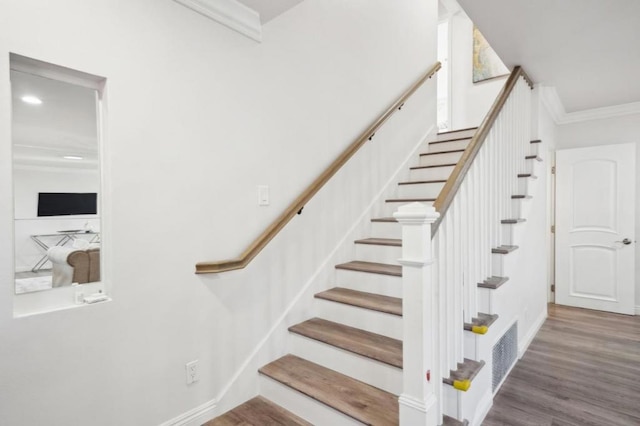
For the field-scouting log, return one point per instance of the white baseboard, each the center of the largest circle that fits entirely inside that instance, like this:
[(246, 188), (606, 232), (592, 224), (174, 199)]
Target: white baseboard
[(524, 345), (196, 416), (483, 408), (637, 310)]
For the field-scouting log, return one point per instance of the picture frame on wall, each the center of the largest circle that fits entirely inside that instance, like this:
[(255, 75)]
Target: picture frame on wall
[(486, 63)]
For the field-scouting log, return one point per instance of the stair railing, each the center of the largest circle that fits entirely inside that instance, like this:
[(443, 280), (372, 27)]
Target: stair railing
[(440, 280), (298, 204)]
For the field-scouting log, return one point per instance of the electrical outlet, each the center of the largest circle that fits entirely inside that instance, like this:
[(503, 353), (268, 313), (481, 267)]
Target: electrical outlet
[(192, 372)]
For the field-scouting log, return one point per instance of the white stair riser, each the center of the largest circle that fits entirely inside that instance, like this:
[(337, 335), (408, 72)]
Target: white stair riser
[(444, 158), (523, 185), (458, 134), (391, 207), (512, 234), (386, 230), (450, 401), (366, 319), (378, 253), (485, 299), (358, 367), (385, 285), (302, 405), (431, 173), (448, 146), (534, 149), (516, 209), (533, 166), (497, 264), (418, 190)]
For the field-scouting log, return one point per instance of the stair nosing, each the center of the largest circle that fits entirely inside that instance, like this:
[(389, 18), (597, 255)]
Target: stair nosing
[(442, 152), (493, 285), (362, 268), (329, 295), (527, 175), (388, 242), (455, 131), (450, 140), (504, 249), (512, 221), (375, 393), (432, 166), (422, 181), (322, 325), (410, 200)]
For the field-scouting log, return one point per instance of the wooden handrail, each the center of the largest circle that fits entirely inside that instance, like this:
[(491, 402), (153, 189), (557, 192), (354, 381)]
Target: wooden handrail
[(445, 198), (297, 205)]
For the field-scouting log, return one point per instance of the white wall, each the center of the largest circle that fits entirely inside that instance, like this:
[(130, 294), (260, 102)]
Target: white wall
[(470, 101), (624, 129), (198, 115), (28, 182)]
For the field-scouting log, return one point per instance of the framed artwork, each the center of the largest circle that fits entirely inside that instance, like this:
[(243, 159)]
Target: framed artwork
[(486, 63)]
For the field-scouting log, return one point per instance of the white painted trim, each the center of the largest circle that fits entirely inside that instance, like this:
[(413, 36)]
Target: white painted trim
[(483, 408), (229, 13), (194, 417), (522, 347), (637, 310), (554, 106), (326, 263)]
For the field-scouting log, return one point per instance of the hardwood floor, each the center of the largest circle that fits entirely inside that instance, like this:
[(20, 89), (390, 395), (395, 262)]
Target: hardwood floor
[(583, 368)]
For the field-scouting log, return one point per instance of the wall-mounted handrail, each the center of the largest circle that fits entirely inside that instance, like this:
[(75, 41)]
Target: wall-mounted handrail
[(445, 198), (256, 246)]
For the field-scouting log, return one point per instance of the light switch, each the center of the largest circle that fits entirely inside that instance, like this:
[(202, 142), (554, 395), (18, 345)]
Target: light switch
[(263, 195)]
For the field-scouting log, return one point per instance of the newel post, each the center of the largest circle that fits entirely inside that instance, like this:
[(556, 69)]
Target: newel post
[(422, 379)]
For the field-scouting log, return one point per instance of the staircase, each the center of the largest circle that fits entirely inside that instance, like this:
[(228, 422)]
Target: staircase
[(345, 365)]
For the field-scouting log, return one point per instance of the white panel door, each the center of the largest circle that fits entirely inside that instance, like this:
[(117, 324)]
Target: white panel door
[(595, 228)]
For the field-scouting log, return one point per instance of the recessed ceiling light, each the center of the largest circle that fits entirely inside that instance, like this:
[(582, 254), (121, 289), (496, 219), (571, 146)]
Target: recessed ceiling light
[(33, 100), (72, 157)]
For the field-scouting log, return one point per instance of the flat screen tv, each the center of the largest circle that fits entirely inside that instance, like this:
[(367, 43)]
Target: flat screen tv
[(67, 203)]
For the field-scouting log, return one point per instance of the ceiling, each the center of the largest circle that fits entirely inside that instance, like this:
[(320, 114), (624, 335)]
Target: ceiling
[(269, 9), (589, 50), (64, 124)]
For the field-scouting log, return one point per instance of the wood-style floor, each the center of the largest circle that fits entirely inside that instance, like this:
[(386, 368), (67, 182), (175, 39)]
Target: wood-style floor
[(583, 368)]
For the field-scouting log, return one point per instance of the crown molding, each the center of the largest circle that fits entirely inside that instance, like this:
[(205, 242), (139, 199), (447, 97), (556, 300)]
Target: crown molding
[(553, 104), (229, 13)]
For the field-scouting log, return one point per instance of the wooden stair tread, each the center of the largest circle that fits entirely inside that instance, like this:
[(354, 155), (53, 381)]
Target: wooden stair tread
[(410, 200), (451, 140), (384, 219), (361, 299), (258, 412), (361, 342), (521, 197), (466, 370), (456, 131), (450, 421), (493, 282), (512, 221), (432, 166), (394, 242), (533, 157), (536, 141), (481, 320), (372, 267), (504, 249), (451, 151), (356, 399), (423, 181), (527, 175)]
